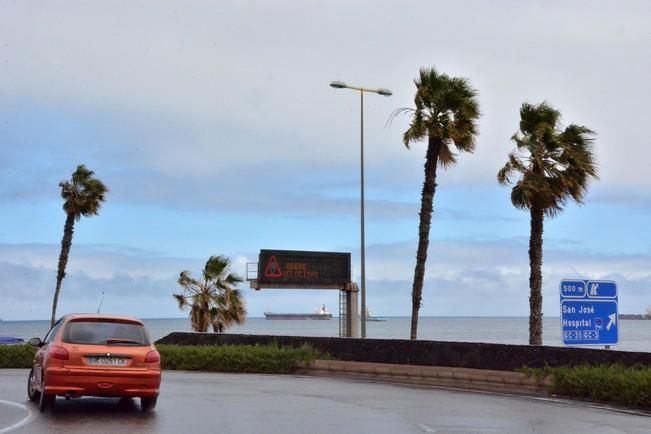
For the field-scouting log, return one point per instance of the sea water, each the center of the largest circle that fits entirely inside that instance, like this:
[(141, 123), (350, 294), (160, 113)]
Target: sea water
[(634, 335)]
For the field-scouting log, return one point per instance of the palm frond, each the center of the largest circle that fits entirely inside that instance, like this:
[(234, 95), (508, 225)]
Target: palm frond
[(234, 279), (445, 108), (215, 267), (446, 156), (180, 300), (214, 300), (554, 165), (83, 195), (398, 112), (189, 284)]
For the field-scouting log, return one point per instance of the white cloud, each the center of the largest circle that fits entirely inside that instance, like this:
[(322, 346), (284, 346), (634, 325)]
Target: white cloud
[(483, 278), (227, 107), (208, 87)]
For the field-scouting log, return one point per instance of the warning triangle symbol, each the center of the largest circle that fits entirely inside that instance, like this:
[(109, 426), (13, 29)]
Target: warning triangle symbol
[(272, 269)]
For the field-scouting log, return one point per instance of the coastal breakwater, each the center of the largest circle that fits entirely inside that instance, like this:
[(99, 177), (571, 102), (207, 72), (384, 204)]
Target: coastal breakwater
[(498, 357)]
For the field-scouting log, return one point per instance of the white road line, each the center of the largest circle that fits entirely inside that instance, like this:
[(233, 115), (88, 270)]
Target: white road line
[(426, 428), (17, 425)]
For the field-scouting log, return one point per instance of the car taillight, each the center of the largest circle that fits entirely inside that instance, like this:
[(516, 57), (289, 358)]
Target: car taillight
[(152, 357), (59, 353)]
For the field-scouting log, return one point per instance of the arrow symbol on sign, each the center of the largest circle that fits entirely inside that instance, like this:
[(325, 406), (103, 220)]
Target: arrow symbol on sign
[(613, 320)]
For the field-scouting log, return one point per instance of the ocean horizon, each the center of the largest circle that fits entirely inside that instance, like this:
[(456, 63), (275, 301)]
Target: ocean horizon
[(634, 335)]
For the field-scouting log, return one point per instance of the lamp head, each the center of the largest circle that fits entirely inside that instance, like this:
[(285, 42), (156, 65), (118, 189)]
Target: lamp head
[(338, 84), (384, 92)]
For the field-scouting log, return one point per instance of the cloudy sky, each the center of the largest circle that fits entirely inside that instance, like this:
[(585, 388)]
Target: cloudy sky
[(215, 129)]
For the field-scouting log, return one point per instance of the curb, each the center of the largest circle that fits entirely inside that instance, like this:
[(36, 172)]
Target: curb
[(437, 376)]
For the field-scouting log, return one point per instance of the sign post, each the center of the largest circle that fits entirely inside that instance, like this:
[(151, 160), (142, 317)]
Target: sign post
[(589, 312)]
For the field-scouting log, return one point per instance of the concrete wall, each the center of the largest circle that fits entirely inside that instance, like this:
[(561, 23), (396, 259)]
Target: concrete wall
[(428, 353), (437, 376)]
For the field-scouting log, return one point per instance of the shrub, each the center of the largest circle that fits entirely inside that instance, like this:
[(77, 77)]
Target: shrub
[(270, 359), (609, 383), (16, 356)]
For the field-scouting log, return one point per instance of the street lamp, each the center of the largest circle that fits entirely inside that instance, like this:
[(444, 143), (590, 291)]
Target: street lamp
[(361, 90)]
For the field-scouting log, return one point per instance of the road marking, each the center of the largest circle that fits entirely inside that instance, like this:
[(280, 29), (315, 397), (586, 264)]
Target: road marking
[(17, 425), (426, 428)]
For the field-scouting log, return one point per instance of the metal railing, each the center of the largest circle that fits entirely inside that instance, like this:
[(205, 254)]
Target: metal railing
[(251, 271), (343, 315)]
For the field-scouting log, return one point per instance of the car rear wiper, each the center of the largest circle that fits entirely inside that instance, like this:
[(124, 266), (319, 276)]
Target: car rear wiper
[(121, 341)]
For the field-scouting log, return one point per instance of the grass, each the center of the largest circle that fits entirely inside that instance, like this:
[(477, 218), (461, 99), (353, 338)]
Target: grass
[(16, 356), (616, 384)]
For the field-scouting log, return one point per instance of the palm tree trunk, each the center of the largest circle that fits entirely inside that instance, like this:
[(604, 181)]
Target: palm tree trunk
[(535, 277), (426, 207), (66, 242)]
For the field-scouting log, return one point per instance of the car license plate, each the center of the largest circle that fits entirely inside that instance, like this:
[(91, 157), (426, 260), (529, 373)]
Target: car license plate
[(107, 361)]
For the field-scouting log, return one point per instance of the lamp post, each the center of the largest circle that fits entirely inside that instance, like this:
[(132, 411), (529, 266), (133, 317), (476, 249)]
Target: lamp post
[(361, 90)]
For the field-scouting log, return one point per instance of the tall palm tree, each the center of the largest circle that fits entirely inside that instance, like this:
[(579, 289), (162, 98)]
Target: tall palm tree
[(554, 166), (213, 300), (446, 115), (83, 196)]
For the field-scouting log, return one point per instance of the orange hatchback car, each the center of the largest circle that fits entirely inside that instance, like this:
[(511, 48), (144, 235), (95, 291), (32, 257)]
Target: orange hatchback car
[(95, 355)]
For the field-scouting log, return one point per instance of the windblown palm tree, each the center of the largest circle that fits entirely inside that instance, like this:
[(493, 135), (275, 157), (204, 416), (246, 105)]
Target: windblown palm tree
[(554, 167), (213, 300), (83, 196), (446, 114)]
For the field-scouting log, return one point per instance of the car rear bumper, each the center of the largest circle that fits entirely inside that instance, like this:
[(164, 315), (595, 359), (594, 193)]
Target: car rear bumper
[(102, 382)]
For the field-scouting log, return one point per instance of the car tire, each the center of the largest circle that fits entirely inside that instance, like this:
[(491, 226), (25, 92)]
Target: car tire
[(32, 392), (46, 402), (147, 404)]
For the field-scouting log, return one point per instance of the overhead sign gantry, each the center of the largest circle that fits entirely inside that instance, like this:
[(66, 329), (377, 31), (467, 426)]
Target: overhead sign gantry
[(295, 269)]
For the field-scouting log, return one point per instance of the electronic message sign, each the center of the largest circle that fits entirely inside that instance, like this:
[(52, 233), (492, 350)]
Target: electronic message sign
[(300, 267)]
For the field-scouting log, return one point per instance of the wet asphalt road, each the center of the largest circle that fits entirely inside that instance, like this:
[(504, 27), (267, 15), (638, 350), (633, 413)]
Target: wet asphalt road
[(234, 403)]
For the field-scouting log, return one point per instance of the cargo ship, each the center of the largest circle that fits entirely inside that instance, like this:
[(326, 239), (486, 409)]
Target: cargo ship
[(321, 313)]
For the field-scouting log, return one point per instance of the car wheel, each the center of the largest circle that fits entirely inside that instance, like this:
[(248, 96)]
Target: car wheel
[(46, 402), (32, 393), (147, 404)]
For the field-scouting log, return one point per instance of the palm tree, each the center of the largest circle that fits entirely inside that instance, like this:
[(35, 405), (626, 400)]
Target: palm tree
[(554, 167), (213, 299), (83, 196), (446, 114)]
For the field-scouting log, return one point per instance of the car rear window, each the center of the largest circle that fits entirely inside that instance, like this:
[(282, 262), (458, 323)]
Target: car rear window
[(105, 333)]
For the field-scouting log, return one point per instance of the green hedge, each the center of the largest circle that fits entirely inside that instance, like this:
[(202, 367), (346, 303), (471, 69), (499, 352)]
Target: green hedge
[(269, 359), (16, 356), (612, 383)]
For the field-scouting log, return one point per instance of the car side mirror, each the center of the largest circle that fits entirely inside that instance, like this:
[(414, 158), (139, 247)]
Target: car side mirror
[(35, 342)]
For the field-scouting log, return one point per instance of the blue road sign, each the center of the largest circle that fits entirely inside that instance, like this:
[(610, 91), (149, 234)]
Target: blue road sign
[(589, 312)]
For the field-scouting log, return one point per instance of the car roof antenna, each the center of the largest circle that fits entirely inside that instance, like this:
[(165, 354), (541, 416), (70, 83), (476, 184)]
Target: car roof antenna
[(100, 302)]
